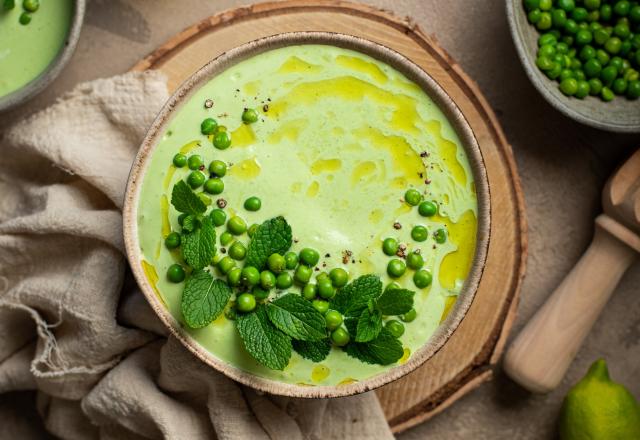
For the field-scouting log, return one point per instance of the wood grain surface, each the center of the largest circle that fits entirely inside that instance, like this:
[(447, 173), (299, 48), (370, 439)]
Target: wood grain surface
[(468, 358)]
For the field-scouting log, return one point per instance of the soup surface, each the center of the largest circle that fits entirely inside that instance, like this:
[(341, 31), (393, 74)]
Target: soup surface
[(339, 139)]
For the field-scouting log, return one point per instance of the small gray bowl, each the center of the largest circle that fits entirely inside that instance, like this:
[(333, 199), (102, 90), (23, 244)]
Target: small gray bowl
[(620, 115), (45, 78)]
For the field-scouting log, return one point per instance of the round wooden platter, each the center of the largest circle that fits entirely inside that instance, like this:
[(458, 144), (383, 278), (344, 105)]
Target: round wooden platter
[(469, 356)]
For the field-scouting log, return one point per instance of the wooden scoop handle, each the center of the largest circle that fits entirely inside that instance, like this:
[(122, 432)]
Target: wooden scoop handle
[(541, 354)]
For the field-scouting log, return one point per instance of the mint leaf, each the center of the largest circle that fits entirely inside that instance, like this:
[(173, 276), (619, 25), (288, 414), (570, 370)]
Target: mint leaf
[(383, 350), (395, 301), (296, 317), (272, 236), (315, 351), (189, 223), (268, 345), (354, 297), (369, 325), (203, 299), (199, 246), (185, 200)]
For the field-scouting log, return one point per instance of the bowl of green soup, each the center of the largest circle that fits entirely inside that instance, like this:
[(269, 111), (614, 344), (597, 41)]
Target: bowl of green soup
[(309, 214), (37, 39)]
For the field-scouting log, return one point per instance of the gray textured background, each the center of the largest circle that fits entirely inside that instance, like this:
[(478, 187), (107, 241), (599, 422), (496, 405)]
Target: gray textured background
[(563, 167)]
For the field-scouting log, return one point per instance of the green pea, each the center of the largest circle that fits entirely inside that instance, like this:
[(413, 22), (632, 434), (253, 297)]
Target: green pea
[(218, 168), (568, 40), (634, 14), (409, 316), (606, 11), (226, 264), (548, 50), (396, 268), (276, 263), (322, 276), (595, 86), (320, 305), (592, 68), (181, 218), (555, 72), (558, 18), (544, 64), (602, 56), (392, 286), (25, 18), (339, 277), (326, 289), (252, 229), (567, 5), (246, 302), (583, 89), (613, 45), (413, 196), (249, 116), (284, 280), (172, 240), (260, 293), (222, 140), (218, 217), (214, 186), (547, 38), (534, 16), (390, 246), (236, 225), (196, 179), (591, 4), (545, 5), (291, 260), (625, 48), (238, 251), (619, 86), (309, 256), (396, 328), (267, 279), (252, 204), (607, 94), (579, 14), (571, 27), (545, 21), (208, 126), (576, 64), (584, 37), (195, 161), (587, 53), (566, 73), (622, 8), (333, 319), (427, 208), (562, 48), (579, 75), (415, 261), (340, 337), (608, 74), (633, 89), (302, 274), (618, 63), (233, 276), (309, 291), (622, 30), (250, 276), (8, 4), (422, 278), (175, 273), (226, 238), (530, 5), (440, 236), (179, 160), (419, 233)]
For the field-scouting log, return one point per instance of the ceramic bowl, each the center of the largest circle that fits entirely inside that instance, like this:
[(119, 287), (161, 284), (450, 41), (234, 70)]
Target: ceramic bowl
[(413, 72), (55, 67), (620, 115)]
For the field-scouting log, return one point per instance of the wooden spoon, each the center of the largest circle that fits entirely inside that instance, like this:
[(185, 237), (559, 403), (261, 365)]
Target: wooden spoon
[(541, 354)]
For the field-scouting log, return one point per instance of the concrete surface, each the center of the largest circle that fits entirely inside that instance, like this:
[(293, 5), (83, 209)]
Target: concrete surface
[(563, 166)]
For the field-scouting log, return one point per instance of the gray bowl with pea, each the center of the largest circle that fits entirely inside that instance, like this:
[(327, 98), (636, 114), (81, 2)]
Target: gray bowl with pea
[(598, 81)]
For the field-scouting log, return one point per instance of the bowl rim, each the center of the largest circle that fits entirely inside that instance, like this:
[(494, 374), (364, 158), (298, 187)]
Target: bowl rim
[(539, 80), (53, 70), (446, 104)]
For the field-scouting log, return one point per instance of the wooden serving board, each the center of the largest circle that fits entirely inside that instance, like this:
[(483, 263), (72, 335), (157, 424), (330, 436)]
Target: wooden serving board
[(469, 356)]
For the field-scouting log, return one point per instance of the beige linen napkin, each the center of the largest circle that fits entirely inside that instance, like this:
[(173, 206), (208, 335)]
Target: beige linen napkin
[(77, 330)]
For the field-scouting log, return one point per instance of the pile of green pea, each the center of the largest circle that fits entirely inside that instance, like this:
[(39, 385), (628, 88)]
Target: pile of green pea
[(591, 47), (28, 6), (396, 267)]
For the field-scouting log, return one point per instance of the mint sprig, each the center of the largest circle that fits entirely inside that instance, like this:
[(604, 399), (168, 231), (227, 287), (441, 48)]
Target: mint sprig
[(199, 246), (385, 349), (264, 342), (395, 301), (203, 299), (352, 299), (185, 200), (315, 351), (296, 317), (272, 236), (369, 325)]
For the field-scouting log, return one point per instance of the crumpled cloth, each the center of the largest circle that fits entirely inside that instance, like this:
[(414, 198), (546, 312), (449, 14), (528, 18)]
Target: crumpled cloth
[(73, 324)]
